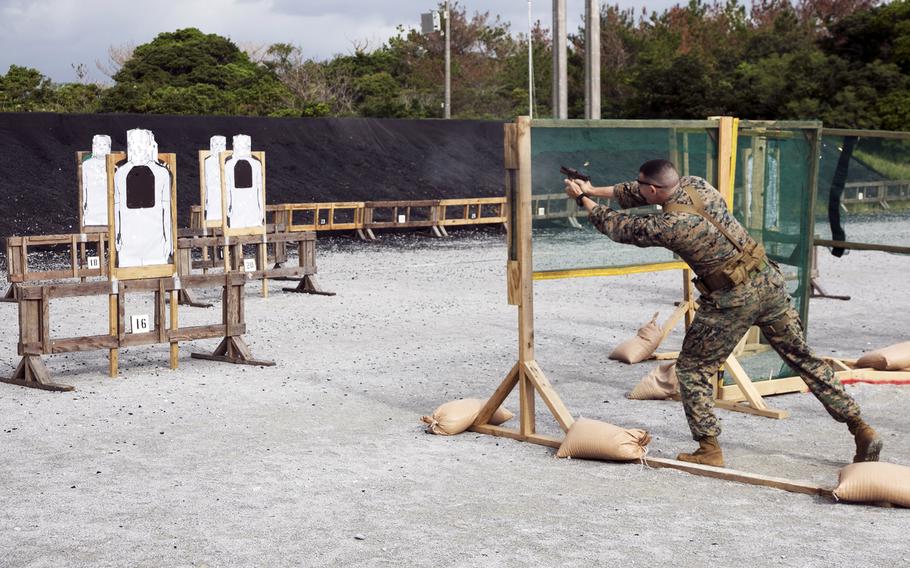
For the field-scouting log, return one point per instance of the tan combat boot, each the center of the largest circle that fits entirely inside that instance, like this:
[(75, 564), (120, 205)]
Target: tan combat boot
[(868, 442), (708, 453)]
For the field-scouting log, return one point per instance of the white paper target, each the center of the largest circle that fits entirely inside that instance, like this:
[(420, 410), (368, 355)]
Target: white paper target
[(243, 181), (94, 182), (142, 205), (212, 168)]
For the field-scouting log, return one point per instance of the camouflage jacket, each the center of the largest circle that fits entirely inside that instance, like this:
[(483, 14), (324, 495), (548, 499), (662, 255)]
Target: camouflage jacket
[(692, 237)]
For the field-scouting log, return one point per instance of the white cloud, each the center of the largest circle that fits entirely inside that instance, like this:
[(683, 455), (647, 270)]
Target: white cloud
[(50, 35)]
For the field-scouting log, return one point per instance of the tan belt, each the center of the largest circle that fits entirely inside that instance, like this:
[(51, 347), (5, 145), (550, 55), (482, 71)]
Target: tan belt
[(730, 276)]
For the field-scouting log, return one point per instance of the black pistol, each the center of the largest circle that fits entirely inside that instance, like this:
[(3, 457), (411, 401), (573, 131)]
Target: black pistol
[(572, 173)]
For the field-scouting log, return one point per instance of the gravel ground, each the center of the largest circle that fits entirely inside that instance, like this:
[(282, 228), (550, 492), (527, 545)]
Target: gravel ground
[(321, 460)]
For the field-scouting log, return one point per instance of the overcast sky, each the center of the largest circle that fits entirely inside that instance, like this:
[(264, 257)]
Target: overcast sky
[(51, 35)]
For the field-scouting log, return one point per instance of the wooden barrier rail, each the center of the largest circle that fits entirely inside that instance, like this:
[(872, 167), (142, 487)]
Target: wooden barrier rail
[(17, 256), (368, 216), (472, 212), (34, 324), (400, 215), (318, 216), (880, 192), (269, 264), (270, 257)]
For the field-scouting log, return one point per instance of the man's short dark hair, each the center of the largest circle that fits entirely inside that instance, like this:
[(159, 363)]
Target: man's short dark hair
[(656, 170)]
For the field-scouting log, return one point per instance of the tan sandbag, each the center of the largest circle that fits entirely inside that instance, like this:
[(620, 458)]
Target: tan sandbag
[(641, 346), (596, 440), (659, 384), (457, 416), (892, 358), (874, 482)]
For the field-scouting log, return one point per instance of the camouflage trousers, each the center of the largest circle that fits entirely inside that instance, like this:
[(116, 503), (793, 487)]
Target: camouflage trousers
[(722, 319)]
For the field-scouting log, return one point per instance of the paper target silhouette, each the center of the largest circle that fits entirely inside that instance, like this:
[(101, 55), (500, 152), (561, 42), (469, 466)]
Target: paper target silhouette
[(92, 180), (210, 181), (242, 188), (142, 207)]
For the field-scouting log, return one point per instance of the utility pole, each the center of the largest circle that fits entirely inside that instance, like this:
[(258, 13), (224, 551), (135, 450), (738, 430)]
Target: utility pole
[(448, 103), (429, 24), (560, 78), (592, 59), (530, 65)]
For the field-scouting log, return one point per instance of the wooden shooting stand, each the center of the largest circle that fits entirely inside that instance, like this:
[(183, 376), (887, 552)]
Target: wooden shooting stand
[(526, 374)]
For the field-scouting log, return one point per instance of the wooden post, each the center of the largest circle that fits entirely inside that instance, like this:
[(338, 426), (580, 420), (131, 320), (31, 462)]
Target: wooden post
[(113, 328), (526, 373), (174, 349), (726, 157), (262, 260), (34, 340), (232, 348)]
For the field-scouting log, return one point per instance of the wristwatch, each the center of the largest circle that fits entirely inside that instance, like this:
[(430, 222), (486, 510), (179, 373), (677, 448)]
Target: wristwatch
[(579, 199)]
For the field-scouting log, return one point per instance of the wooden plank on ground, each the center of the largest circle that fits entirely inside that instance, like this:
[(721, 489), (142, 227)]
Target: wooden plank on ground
[(539, 439), (741, 477)]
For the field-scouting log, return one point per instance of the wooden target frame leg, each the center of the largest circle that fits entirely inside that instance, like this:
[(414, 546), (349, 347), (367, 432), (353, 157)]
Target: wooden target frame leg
[(175, 326), (530, 380), (308, 285), (819, 292), (186, 298), (741, 477), (33, 373), (262, 260), (10, 295), (754, 403), (232, 348), (114, 329)]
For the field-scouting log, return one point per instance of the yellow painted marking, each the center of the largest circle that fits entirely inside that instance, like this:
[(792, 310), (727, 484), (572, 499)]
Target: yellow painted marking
[(612, 271)]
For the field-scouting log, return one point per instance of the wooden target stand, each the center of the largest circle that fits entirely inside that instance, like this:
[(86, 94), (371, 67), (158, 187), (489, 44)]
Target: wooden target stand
[(162, 280), (83, 228), (233, 239), (526, 374)]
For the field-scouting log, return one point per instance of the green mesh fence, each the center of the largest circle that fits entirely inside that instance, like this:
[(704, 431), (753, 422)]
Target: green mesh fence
[(774, 191), (773, 195), (609, 152), (864, 188)]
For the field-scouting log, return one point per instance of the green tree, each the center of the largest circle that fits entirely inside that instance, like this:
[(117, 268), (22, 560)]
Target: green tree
[(189, 72), (24, 89)]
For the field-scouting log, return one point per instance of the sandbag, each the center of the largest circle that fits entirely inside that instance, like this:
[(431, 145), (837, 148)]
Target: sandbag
[(641, 346), (457, 416), (596, 440), (892, 358), (874, 482), (659, 384)]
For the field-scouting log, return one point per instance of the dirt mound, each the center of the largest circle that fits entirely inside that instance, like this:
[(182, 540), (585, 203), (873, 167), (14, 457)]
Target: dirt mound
[(330, 159)]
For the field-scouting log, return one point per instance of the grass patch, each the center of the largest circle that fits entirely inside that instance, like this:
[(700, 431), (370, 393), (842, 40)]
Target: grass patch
[(889, 168)]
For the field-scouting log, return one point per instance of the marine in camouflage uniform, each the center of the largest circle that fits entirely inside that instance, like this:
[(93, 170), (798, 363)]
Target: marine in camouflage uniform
[(724, 315)]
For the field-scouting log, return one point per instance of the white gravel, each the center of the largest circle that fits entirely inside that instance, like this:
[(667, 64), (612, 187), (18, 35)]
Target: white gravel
[(321, 460)]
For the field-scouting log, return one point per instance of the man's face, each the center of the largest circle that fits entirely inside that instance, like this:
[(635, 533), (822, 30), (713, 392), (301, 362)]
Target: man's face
[(654, 192)]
